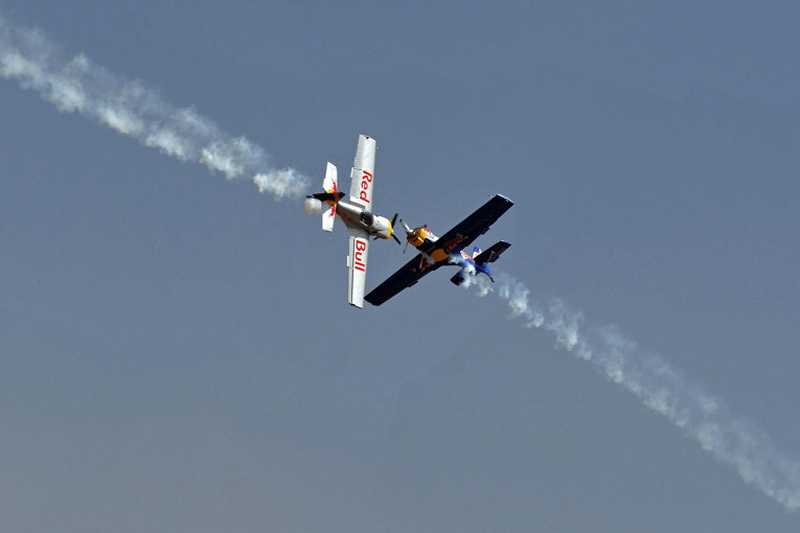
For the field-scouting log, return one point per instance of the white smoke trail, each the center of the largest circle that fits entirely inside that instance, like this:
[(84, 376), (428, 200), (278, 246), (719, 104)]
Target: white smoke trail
[(76, 85), (689, 406)]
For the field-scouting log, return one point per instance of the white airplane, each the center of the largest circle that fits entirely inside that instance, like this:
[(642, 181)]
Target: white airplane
[(356, 214)]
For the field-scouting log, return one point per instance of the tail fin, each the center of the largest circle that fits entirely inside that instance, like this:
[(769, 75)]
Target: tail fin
[(330, 186)]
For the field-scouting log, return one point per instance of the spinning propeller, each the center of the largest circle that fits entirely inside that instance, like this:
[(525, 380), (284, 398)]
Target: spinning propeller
[(409, 233), (394, 219)]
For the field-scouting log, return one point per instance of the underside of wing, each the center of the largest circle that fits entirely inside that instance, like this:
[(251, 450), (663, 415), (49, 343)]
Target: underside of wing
[(407, 276), (361, 177), (472, 227), (358, 241)]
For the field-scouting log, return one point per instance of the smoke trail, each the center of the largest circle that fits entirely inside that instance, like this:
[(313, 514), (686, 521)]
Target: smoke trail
[(689, 406), (77, 85)]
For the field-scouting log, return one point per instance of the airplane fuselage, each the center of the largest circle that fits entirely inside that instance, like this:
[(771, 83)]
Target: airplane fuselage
[(434, 253), (356, 216)]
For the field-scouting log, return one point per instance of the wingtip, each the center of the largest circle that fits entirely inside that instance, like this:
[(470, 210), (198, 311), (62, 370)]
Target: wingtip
[(506, 198)]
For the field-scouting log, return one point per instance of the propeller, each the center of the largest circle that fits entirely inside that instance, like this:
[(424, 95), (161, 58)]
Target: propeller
[(394, 219), (409, 233)]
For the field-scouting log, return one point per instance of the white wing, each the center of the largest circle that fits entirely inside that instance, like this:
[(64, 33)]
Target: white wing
[(363, 172), (357, 265)]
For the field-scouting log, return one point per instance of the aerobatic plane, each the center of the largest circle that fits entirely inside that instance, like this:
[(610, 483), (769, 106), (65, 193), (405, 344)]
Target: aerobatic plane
[(447, 250), (356, 214)]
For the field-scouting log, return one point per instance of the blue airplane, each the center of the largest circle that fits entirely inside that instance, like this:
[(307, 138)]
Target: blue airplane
[(478, 262)]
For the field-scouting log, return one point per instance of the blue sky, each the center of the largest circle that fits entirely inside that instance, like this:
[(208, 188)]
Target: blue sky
[(176, 351)]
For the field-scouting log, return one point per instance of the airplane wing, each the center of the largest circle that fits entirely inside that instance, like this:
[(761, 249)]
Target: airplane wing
[(407, 276), (363, 172), (472, 227), (357, 265)]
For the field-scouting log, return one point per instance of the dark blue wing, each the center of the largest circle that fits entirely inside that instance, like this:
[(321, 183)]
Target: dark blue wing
[(407, 276), (472, 227)]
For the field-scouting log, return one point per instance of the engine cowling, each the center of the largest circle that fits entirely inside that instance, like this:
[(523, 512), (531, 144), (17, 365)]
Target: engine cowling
[(378, 225), (418, 236)]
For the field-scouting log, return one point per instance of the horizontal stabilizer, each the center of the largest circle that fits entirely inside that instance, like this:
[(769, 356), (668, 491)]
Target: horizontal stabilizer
[(491, 255), (328, 218), (331, 196), (330, 179), (459, 278)]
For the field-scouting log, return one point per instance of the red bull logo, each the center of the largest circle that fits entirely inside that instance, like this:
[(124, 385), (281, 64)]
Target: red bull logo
[(359, 262), (366, 180), (331, 202)]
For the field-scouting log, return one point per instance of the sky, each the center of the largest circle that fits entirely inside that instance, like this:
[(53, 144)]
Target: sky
[(176, 348)]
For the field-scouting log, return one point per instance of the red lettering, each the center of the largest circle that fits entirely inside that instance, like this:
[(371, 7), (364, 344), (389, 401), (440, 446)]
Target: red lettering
[(359, 265), (366, 179), (358, 259)]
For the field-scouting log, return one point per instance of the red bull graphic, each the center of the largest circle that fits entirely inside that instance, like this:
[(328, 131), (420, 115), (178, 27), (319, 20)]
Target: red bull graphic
[(358, 257), (366, 181)]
